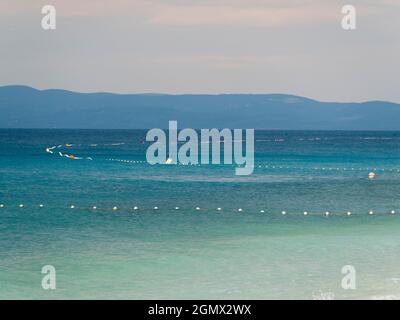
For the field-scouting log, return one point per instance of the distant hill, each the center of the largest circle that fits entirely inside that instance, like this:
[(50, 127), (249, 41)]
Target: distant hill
[(25, 107)]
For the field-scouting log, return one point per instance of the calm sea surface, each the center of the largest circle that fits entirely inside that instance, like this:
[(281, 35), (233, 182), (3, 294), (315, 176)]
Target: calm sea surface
[(197, 251)]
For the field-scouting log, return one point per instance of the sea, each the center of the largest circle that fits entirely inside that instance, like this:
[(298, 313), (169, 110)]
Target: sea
[(309, 223)]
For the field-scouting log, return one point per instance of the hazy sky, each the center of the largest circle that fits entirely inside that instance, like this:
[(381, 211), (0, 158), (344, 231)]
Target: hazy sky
[(205, 46)]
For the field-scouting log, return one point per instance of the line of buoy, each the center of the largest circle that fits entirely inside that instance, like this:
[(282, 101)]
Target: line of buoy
[(127, 161), (135, 208), (265, 166), (260, 166), (371, 174), (268, 166)]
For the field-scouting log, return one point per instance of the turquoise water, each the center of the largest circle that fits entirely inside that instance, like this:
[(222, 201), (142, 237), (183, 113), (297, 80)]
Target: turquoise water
[(188, 253)]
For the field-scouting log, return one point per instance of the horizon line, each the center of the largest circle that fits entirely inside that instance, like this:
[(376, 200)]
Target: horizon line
[(198, 129)]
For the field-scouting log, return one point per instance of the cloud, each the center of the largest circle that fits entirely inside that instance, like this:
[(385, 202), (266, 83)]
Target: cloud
[(217, 61), (240, 13), (231, 15), (75, 8)]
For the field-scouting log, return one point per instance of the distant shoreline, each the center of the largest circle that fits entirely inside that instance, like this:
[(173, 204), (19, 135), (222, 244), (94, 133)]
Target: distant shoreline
[(25, 107)]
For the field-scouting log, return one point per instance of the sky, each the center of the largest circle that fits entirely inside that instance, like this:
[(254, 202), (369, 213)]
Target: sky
[(205, 46)]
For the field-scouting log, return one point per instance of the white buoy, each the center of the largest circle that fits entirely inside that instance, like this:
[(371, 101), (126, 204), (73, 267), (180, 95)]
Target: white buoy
[(155, 208), (21, 205), (1, 205), (327, 213), (348, 213), (393, 212), (371, 175), (219, 209), (41, 205), (371, 213), (176, 208), (283, 212), (94, 208), (262, 211), (72, 207), (115, 208), (135, 208), (240, 209), (305, 213), (197, 208)]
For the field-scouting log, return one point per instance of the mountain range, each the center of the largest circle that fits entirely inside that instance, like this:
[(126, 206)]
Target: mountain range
[(26, 107)]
